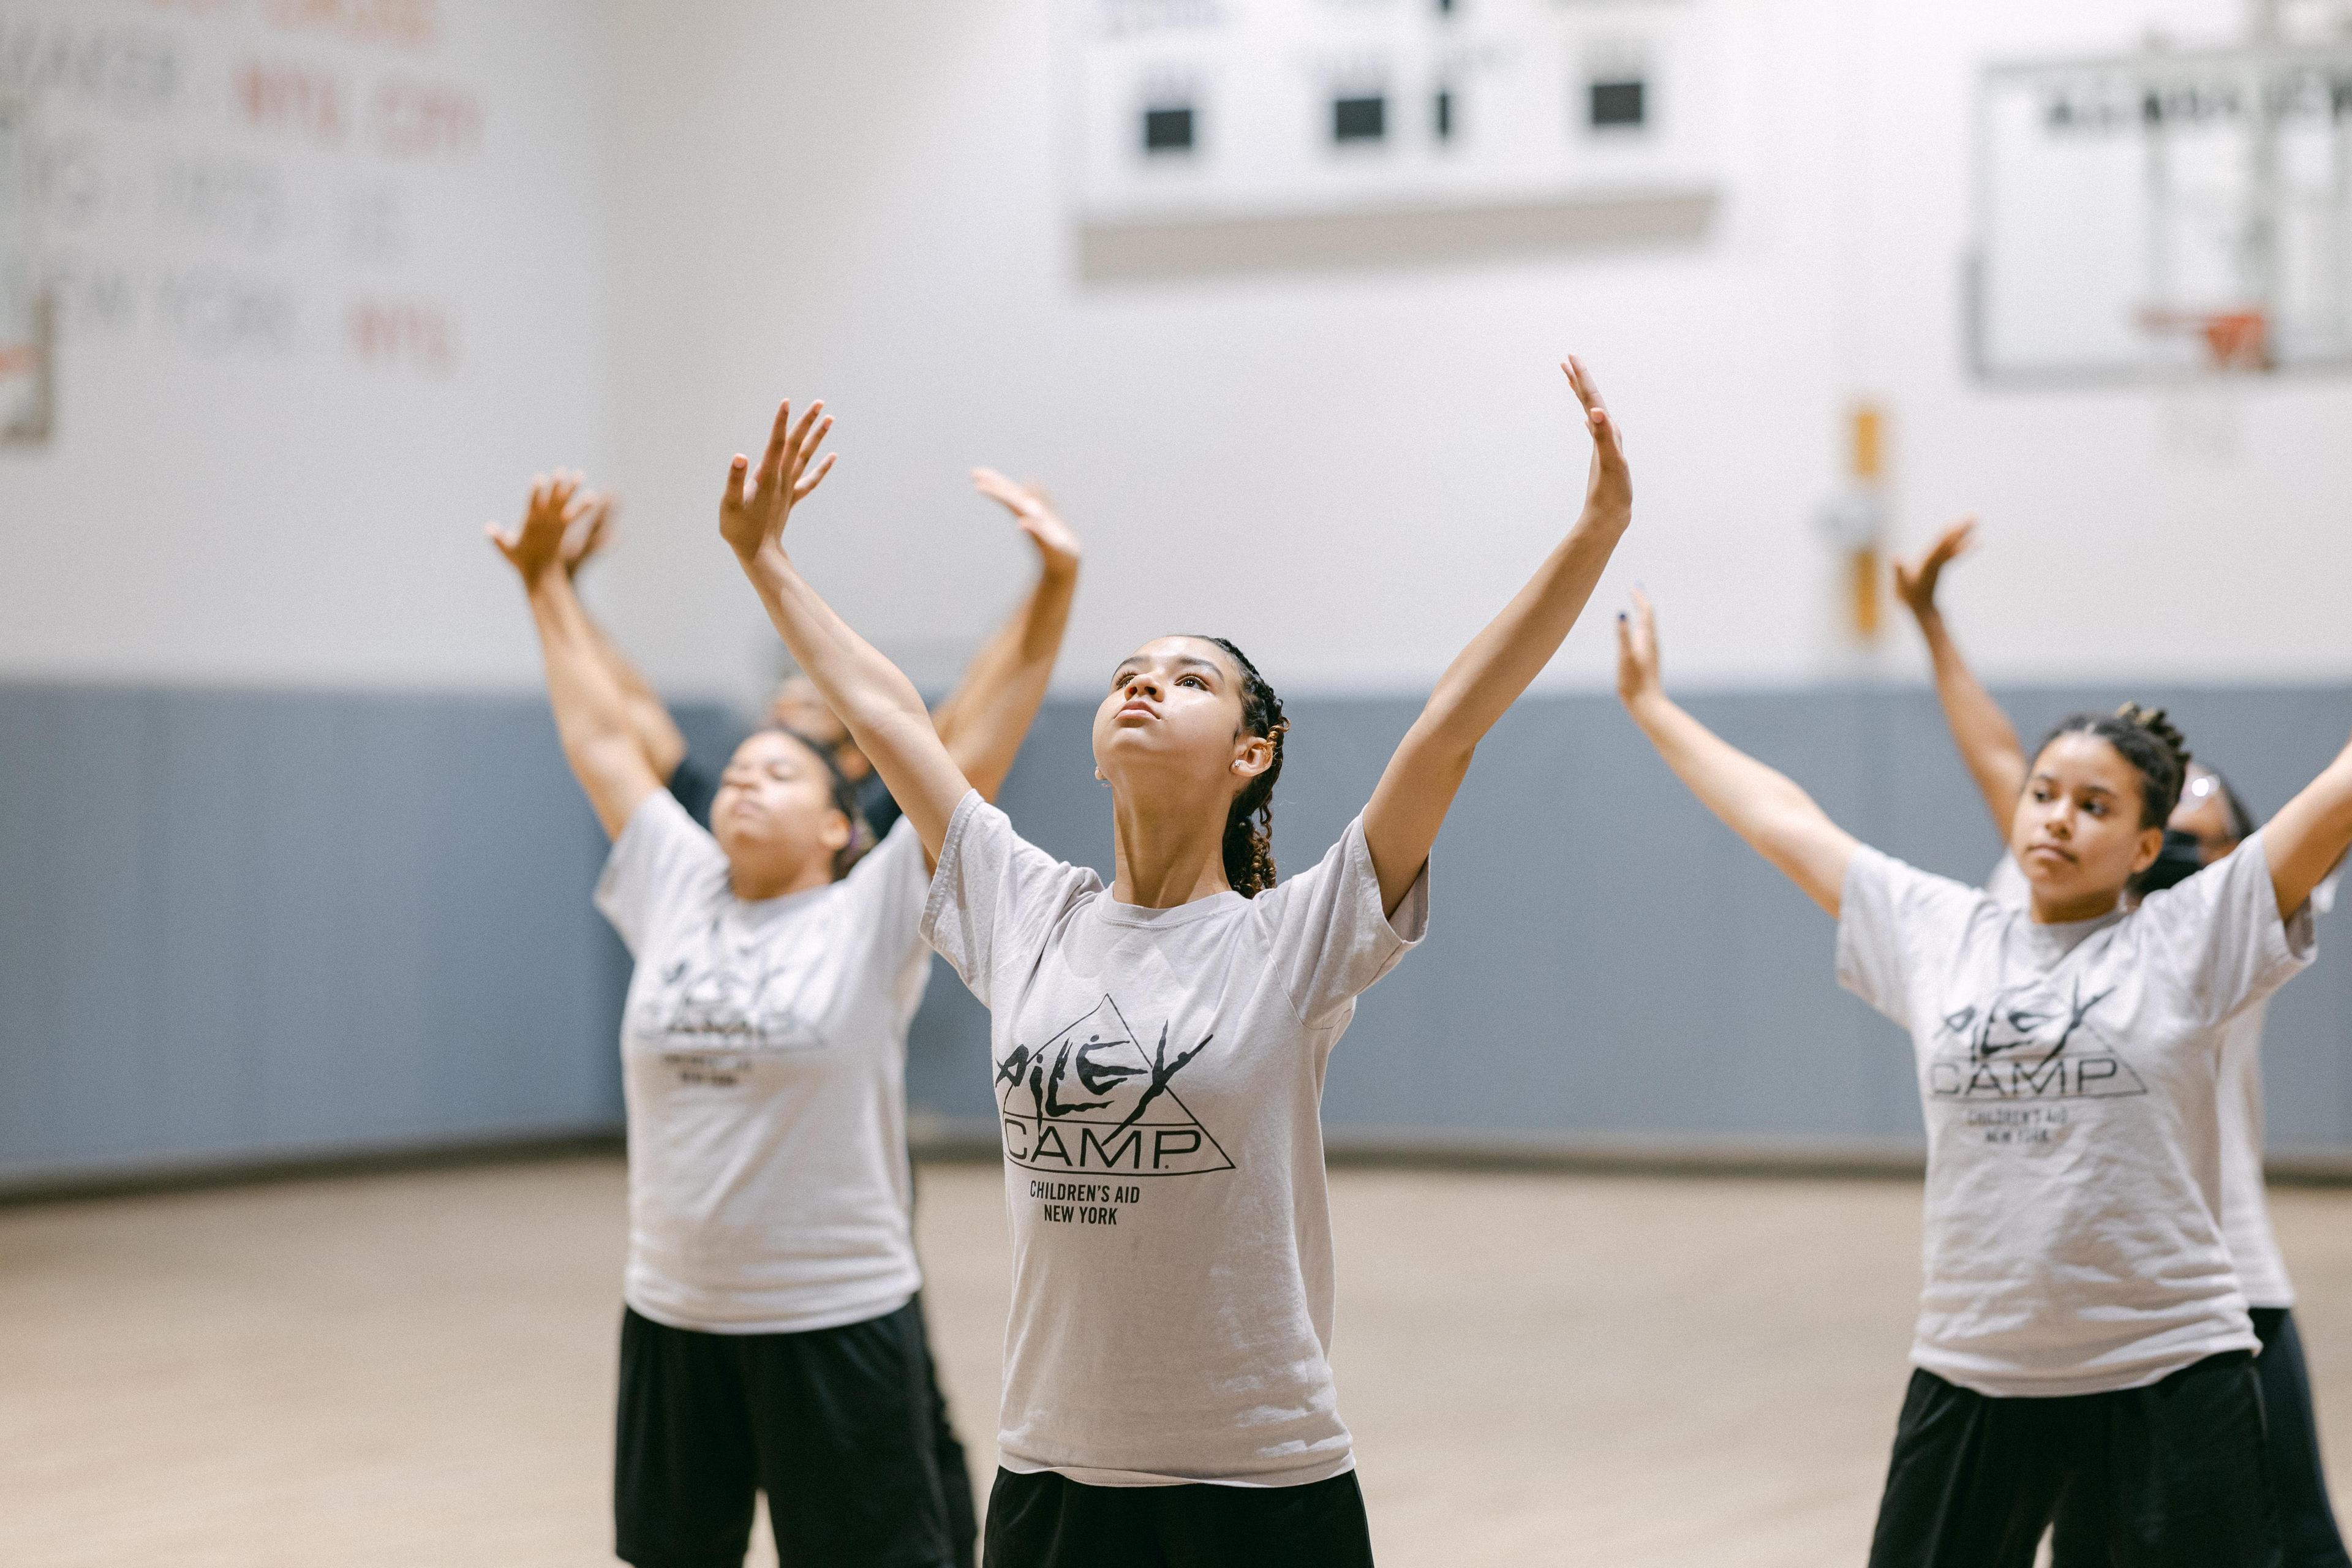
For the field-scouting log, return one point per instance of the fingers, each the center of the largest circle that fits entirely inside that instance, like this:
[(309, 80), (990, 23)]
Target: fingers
[(738, 472), (771, 461), (1588, 390), (807, 436), (1608, 449), (1952, 542), (802, 490), (1001, 490), (799, 440), (600, 518)]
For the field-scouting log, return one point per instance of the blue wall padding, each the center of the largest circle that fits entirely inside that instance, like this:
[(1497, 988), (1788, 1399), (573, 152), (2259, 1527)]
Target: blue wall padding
[(257, 925)]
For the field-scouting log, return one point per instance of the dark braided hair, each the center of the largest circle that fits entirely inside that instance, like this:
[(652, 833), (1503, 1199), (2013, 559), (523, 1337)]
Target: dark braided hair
[(1249, 825), (845, 799), (2149, 742)]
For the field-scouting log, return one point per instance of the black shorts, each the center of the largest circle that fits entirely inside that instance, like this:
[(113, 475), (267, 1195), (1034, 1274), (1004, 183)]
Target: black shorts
[(834, 1424), (2169, 1476), (2307, 1532), (1048, 1520)]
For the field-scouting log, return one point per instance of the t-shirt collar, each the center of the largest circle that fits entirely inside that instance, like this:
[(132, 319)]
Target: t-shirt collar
[(2056, 941), (1110, 912)]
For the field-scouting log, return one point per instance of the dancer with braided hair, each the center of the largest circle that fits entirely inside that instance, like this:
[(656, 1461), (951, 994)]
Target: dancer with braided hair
[(1160, 1048), (2083, 1341), (2210, 822)]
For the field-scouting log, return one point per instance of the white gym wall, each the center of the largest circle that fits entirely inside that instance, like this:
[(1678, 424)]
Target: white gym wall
[(331, 282), (1347, 470), (674, 215)]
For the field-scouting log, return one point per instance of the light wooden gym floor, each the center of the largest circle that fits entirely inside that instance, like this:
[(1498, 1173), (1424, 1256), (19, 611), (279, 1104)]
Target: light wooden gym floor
[(417, 1369)]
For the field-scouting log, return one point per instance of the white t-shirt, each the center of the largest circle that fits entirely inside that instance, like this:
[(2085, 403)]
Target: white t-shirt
[(2245, 1203), (763, 1053), (1159, 1076), (2068, 1076)]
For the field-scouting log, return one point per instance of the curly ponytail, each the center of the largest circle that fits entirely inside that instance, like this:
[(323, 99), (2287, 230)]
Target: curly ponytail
[(2149, 742), (1249, 825)]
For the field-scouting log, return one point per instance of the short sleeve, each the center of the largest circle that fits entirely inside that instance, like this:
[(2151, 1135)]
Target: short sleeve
[(1329, 936), (885, 891), (1892, 918), (2221, 933), (661, 857), (995, 896)]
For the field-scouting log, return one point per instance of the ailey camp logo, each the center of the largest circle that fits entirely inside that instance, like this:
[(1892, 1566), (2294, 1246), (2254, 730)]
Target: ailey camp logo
[(1093, 1098), (2023, 1045)]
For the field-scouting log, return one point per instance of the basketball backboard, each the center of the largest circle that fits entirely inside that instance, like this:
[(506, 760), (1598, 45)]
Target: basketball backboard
[(2164, 215)]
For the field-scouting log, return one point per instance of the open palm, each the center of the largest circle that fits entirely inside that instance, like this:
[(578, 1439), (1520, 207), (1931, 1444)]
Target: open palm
[(537, 546), (1914, 582), (757, 503), (1034, 510), (1609, 484)]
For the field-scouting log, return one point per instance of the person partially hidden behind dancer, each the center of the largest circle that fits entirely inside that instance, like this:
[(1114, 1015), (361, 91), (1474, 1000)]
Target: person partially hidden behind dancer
[(1159, 1048), (2210, 822), (2081, 1334), (773, 1338)]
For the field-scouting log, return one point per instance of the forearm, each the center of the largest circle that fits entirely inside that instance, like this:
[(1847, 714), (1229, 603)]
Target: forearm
[(592, 718), (983, 723), (1766, 808), (876, 701), (2310, 835), (588, 704), (657, 734), (1987, 740)]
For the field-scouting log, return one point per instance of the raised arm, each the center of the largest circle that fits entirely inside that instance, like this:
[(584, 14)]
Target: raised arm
[(2310, 834), (985, 718), (1779, 821), (592, 715), (878, 704), (1418, 788), (658, 732), (1987, 740)]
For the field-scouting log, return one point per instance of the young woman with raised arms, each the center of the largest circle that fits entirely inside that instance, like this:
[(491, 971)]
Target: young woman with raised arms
[(2209, 823), (2081, 1334), (773, 1336), (1160, 1048)]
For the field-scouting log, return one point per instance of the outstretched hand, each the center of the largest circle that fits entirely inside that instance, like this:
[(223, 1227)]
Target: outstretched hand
[(1032, 509), (538, 545), (1637, 651), (587, 538), (1914, 581), (1609, 484), (751, 515)]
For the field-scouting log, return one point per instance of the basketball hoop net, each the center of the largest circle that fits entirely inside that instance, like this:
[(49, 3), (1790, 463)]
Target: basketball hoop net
[(2234, 340)]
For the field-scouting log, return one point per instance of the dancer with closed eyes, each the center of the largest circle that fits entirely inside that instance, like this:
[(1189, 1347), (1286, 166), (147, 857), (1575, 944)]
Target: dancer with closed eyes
[(771, 1339), (1160, 1046)]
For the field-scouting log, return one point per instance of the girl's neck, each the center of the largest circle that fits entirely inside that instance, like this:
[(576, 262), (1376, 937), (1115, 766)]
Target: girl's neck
[(1172, 854), (2090, 907), (755, 884)]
